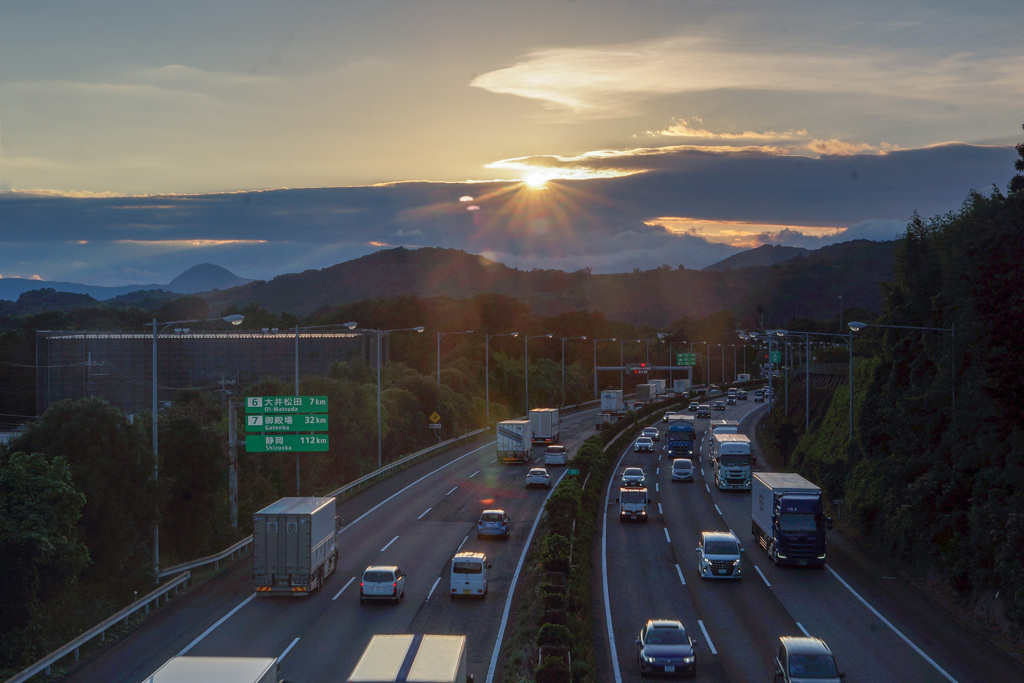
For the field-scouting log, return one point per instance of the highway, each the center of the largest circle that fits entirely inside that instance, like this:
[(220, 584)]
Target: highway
[(418, 520), (878, 630)]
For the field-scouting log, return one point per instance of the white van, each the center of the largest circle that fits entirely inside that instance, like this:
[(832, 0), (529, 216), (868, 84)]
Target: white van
[(556, 455), (469, 574)]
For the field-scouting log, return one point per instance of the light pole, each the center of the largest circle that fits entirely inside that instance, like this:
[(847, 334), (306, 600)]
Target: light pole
[(807, 390), (487, 368), (707, 352), (595, 361), (380, 361), (159, 327), (440, 335), (565, 339), (733, 362), (350, 326), (857, 327), (621, 365), (526, 355), (723, 363), (672, 362)]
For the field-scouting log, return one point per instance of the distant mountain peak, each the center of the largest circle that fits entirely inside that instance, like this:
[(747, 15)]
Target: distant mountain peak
[(205, 277)]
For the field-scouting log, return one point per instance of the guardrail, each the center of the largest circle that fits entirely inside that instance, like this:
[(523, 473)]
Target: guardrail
[(144, 603), (100, 629)]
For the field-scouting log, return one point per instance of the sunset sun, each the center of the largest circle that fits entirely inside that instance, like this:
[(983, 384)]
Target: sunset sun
[(536, 180)]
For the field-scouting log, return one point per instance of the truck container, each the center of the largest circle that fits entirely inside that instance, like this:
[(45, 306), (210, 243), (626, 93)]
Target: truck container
[(680, 436), (788, 519), (515, 441), (544, 422), (645, 392), (633, 504), (412, 658), (294, 546), (658, 386), (611, 402), (722, 427), (681, 386), (219, 669), (730, 459)]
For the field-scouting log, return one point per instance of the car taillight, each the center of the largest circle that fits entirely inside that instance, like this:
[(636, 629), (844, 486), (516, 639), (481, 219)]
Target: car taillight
[(394, 588)]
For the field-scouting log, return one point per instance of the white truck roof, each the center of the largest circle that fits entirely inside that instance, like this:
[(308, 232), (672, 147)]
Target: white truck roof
[(435, 659), (216, 670)]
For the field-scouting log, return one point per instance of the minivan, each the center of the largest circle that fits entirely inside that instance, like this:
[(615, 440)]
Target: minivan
[(682, 469), (556, 455), (469, 574)]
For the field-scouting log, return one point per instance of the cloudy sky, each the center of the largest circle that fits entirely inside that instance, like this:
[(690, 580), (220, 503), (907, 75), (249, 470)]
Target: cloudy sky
[(140, 139)]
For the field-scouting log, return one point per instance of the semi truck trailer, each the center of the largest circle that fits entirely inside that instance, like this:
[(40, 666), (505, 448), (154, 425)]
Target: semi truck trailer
[(294, 546), (788, 520)]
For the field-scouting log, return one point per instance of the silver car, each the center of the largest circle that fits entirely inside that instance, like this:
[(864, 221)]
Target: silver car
[(718, 555), (382, 583)]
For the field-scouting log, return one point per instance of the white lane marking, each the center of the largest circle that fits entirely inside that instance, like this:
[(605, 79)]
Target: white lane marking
[(424, 513), (604, 579), (495, 460), (802, 629), (718, 510), (763, 577), (338, 594), (432, 589), (705, 483), (657, 470), (885, 621), (680, 572), (496, 650), (409, 486), (389, 544), (655, 487), (474, 474), (462, 544), (667, 537), (219, 622), (287, 650), (451, 492), (660, 511), (707, 637)]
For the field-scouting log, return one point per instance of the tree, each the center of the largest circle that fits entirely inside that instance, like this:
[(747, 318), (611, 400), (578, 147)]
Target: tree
[(40, 551), (1017, 182)]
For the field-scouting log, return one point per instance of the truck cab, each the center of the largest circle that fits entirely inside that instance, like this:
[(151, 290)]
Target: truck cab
[(633, 504)]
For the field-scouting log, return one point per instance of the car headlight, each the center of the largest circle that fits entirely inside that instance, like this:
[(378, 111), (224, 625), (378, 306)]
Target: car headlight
[(736, 564), (649, 660), (689, 660)]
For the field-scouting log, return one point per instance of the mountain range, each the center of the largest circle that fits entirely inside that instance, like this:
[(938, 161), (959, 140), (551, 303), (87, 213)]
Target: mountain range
[(202, 278)]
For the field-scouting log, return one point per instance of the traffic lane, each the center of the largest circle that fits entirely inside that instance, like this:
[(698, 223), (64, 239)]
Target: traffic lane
[(644, 583), (744, 618), (333, 641)]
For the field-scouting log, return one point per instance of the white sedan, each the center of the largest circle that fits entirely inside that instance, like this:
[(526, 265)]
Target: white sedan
[(643, 443), (538, 476)]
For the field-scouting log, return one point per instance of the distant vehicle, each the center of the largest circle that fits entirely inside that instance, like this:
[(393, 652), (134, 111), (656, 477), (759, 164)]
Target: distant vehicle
[(703, 410), (694, 405), (643, 443), (758, 396), (545, 425), (382, 583), (412, 658), (633, 476), (556, 455), (718, 555), (493, 523), (652, 432), (228, 669), (730, 401), (646, 392), (664, 647), (680, 435), (731, 392), (633, 504), (741, 395), (612, 408), (805, 660), (538, 476), (719, 405), (299, 562), (682, 469), (713, 389), (669, 416), (469, 574)]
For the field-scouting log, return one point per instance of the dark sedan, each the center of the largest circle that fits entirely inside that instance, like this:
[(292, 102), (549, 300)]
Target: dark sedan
[(664, 647)]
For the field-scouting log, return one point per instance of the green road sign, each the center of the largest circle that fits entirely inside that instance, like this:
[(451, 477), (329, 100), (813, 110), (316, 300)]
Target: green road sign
[(572, 472), (286, 443), (776, 356), (285, 404), (686, 359), (286, 423)]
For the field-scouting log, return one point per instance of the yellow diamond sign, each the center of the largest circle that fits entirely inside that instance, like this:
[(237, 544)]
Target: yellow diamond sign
[(435, 417)]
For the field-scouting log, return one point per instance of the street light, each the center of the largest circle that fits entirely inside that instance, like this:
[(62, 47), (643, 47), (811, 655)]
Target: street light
[(350, 326), (595, 361), (380, 361), (487, 368), (235, 319), (526, 356), (857, 327), (807, 390), (565, 339), (439, 336), (723, 363)]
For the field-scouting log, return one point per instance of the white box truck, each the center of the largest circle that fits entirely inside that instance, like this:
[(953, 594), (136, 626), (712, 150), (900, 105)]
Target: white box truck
[(645, 392), (412, 658), (544, 422), (730, 458), (612, 408), (681, 386), (294, 545), (217, 670), (514, 441), (658, 386)]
